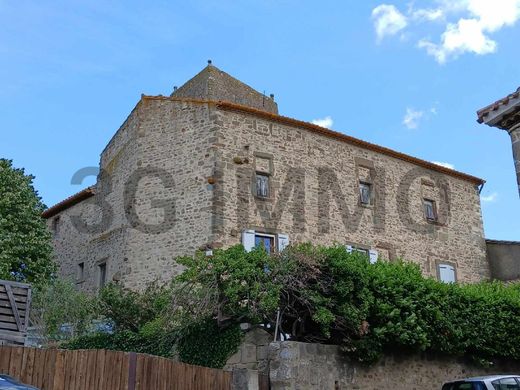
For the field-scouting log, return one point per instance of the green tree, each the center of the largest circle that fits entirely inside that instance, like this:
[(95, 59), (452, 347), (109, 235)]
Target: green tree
[(25, 248)]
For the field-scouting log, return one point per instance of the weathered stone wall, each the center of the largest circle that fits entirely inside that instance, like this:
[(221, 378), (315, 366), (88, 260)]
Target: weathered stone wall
[(213, 84), (312, 172), (178, 138), (504, 260), (108, 243), (302, 366), (165, 152), (197, 162)]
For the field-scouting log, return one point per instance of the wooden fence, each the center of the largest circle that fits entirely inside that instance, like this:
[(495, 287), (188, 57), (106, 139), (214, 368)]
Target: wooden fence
[(52, 369), (15, 302)]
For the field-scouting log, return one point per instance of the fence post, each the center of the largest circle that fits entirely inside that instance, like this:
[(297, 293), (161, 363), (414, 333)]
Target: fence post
[(132, 368)]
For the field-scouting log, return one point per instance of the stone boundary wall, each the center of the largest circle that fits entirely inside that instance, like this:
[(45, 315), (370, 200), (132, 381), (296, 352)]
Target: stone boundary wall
[(303, 366)]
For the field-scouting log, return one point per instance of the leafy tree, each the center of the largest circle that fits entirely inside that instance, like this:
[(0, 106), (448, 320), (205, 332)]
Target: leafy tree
[(25, 248), (57, 303)]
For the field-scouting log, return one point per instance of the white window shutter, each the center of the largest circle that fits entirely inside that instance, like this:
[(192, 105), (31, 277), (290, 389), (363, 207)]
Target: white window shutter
[(447, 273), (248, 240), (283, 242), (373, 256), (348, 248)]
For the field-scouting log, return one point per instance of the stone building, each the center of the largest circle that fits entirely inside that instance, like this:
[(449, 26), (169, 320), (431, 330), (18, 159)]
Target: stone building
[(214, 165), (504, 114)]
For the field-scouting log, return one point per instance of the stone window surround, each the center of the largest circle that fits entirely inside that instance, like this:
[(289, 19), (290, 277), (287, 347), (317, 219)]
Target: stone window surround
[(361, 162), (80, 275), (270, 174), (438, 263), (99, 265), (435, 219)]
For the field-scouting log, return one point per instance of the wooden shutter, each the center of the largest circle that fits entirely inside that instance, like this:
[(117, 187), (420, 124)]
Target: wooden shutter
[(373, 256), (446, 273), (248, 240), (283, 242)]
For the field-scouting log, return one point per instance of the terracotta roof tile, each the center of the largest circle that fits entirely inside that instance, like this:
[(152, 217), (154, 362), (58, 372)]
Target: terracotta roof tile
[(69, 202), (482, 113), (351, 140)]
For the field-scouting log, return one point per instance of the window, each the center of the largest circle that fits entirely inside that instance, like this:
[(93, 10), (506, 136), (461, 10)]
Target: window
[(430, 211), (81, 272), (447, 273), (56, 225), (265, 241), (370, 253), (271, 242), (365, 193), (102, 270), (465, 386), (505, 384), (262, 185)]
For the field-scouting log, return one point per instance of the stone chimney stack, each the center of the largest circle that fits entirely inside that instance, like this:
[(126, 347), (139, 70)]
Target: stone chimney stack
[(505, 114)]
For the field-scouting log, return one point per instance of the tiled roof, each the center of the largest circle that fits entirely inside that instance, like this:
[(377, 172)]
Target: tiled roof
[(69, 202), (351, 140), (502, 242), (90, 191), (484, 112)]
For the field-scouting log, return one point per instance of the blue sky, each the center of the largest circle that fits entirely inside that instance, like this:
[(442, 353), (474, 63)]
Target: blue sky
[(406, 75)]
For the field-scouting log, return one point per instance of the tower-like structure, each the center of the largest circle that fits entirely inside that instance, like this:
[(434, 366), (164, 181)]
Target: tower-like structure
[(505, 114)]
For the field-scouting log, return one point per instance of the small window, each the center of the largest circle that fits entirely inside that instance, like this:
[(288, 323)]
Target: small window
[(81, 272), (102, 270), (430, 210), (262, 185), (271, 242), (365, 193), (447, 273), (56, 225), (265, 241)]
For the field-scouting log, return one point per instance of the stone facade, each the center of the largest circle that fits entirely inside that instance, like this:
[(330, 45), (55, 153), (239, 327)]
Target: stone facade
[(504, 114), (215, 85), (302, 366), (181, 174)]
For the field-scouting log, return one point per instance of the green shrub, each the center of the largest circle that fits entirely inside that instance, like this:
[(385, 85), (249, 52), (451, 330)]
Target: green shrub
[(322, 294), (205, 344)]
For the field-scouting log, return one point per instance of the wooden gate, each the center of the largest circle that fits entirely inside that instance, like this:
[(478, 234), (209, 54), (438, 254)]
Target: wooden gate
[(15, 302), (52, 369)]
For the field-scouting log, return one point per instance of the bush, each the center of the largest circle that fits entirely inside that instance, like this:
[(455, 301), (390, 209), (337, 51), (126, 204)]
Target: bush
[(331, 296), (322, 294), (205, 344), (57, 303)]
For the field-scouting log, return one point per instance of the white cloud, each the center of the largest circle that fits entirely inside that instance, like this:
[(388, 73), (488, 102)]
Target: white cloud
[(324, 122), (466, 35), (489, 198), (412, 117), (427, 14), (388, 20), (468, 25), (444, 164)]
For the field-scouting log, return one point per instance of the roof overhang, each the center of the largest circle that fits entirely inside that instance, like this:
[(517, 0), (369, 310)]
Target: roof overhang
[(503, 114), (69, 202)]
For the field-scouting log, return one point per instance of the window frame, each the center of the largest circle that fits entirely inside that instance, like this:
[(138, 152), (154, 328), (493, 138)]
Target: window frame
[(268, 183), (434, 210), (439, 264), (56, 225), (102, 272), (273, 237), (370, 192), (80, 272)]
